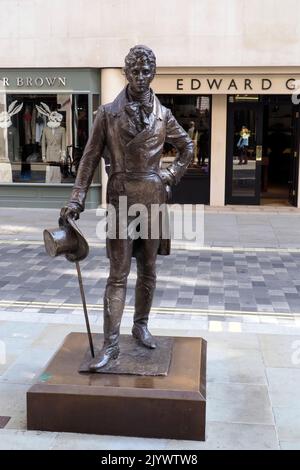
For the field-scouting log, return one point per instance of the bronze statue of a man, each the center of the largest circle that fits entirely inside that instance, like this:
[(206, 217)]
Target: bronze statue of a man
[(132, 131)]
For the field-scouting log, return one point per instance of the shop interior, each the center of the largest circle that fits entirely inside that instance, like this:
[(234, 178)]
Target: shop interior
[(262, 135), (278, 154), (44, 137), (193, 114)]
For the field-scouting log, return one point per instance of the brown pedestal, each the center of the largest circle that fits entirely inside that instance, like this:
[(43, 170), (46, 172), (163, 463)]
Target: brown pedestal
[(171, 406)]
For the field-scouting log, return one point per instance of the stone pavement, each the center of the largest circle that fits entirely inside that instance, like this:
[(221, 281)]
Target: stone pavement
[(219, 282), (233, 226), (240, 291), (253, 386)]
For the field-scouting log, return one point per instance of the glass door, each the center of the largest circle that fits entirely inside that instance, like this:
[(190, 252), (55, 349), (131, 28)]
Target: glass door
[(294, 169), (244, 152)]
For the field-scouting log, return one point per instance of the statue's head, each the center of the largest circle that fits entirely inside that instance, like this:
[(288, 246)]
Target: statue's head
[(140, 67)]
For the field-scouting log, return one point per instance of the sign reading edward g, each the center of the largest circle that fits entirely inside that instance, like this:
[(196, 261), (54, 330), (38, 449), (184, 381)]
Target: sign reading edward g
[(227, 84)]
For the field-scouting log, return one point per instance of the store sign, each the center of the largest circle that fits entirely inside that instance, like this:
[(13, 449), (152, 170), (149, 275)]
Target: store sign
[(35, 82), (32, 80), (227, 84)]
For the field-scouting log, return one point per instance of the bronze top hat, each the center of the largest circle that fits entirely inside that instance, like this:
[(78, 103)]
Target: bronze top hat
[(66, 240)]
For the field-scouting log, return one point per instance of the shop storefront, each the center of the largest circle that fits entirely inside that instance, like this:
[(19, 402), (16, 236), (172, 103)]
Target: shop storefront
[(262, 150), (245, 127), (244, 124), (45, 119), (193, 114)]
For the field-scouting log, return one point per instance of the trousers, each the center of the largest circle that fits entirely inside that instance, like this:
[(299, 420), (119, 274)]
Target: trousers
[(115, 292)]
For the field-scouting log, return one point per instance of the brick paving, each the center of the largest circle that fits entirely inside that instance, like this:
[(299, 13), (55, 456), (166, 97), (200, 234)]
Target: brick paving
[(210, 279)]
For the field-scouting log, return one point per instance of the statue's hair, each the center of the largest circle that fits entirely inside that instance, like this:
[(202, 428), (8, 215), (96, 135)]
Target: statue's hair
[(143, 53)]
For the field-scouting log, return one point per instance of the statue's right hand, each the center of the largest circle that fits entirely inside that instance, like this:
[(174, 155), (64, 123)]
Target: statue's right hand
[(166, 176), (71, 211)]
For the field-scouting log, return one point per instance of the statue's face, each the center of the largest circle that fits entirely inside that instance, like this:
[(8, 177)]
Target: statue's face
[(139, 76)]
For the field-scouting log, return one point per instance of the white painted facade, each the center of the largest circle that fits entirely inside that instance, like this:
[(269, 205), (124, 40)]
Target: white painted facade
[(98, 33)]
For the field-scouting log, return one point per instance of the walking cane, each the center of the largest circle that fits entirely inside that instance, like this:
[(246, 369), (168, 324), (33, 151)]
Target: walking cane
[(86, 317), (84, 308), (68, 240)]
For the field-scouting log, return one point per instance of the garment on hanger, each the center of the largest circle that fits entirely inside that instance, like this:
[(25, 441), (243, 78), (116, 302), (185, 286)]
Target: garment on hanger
[(53, 144), (13, 143), (39, 127), (27, 125), (53, 150), (33, 124)]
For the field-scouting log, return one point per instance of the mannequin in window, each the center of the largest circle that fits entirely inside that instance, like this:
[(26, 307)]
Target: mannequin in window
[(9, 148), (38, 123), (53, 144), (243, 145), (193, 134)]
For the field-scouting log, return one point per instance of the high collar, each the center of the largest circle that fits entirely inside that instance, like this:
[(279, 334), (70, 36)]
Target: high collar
[(146, 97), (117, 106)]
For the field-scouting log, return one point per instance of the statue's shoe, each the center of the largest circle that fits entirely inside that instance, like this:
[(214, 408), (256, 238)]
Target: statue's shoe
[(143, 335), (107, 354)]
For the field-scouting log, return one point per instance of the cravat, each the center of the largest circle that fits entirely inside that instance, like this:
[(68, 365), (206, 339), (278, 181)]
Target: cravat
[(139, 111)]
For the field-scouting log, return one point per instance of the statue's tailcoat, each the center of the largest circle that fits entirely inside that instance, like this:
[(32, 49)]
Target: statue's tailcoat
[(133, 157)]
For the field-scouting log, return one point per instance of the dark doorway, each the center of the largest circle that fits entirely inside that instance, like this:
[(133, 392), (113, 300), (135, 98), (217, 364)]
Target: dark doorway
[(280, 153)]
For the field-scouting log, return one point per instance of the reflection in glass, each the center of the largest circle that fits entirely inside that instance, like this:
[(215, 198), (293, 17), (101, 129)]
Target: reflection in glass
[(80, 129), (244, 158), (43, 144), (193, 114)]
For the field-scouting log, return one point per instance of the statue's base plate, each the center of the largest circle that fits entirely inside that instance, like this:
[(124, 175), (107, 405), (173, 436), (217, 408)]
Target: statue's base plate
[(171, 406), (134, 358)]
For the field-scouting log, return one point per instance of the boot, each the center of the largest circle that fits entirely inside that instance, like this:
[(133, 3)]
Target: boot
[(143, 335), (106, 354), (113, 308), (144, 291)]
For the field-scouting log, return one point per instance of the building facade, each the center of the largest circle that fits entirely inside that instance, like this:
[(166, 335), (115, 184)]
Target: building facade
[(229, 73), (31, 173)]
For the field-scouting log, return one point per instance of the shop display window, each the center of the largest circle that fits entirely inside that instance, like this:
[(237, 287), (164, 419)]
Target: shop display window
[(193, 114), (42, 137)]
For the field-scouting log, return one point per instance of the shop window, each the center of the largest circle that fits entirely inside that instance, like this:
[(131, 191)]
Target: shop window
[(193, 112), (96, 104), (80, 124), (42, 137)]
